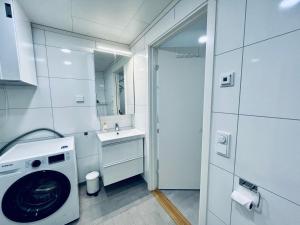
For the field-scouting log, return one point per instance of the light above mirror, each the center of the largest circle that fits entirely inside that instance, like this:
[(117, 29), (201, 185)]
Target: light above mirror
[(114, 51)]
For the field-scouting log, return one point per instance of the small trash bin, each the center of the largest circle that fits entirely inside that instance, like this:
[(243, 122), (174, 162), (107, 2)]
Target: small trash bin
[(92, 183)]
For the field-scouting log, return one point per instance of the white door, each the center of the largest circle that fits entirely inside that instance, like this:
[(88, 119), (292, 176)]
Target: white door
[(180, 111)]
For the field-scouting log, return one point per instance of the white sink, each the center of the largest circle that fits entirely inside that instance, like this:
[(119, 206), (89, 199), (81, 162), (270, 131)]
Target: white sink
[(118, 136)]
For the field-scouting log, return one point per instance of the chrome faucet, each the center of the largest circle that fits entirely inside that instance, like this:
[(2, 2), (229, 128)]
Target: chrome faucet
[(117, 128)]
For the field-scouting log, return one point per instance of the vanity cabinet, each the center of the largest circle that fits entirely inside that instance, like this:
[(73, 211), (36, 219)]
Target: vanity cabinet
[(17, 63), (121, 160)]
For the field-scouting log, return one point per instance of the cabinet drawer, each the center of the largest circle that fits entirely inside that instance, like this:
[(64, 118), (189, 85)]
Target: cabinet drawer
[(120, 152), (121, 171)]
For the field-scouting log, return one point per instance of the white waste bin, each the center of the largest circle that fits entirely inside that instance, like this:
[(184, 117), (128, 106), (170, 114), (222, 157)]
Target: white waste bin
[(92, 183)]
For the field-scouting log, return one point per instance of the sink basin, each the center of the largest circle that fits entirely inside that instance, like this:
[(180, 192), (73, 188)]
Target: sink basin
[(118, 136)]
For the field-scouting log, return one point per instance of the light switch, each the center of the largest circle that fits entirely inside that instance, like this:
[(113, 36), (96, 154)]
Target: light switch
[(222, 143), (227, 79), (79, 98)]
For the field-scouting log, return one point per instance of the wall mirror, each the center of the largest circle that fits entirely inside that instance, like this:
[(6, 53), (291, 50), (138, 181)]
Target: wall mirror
[(114, 84)]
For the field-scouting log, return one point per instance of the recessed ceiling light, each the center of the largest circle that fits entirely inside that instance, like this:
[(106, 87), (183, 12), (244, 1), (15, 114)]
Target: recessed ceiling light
[(65, 50), (202, 39), (286, 4)]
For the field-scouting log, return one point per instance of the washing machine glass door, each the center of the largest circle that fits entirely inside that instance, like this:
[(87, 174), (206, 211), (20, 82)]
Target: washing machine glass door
[(36, 196)]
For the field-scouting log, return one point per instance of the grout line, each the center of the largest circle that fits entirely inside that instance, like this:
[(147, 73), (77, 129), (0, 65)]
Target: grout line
[(221, 168), (170, 208), (271, 117), (239, 106), (227, 51), (51, 101), (70, 78), (217, 216)]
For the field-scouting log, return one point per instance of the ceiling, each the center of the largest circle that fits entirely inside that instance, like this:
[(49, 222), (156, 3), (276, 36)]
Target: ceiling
[(189, 35), (115, 20), (103, 61), (185, 42)]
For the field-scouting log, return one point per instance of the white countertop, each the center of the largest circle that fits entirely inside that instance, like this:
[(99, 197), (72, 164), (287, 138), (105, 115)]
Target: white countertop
[(122, 135)]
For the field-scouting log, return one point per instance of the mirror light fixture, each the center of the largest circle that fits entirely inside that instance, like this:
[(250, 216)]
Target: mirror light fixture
[(114, 51), (202, 39)]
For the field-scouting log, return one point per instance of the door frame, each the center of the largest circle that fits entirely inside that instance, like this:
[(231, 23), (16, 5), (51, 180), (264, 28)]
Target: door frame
[(210, 6)]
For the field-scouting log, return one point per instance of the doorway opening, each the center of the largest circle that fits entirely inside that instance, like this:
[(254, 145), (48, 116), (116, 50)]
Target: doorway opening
[(179, 61)]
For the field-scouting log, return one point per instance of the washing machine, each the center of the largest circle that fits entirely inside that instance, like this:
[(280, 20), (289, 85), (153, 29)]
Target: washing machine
[(39, 184)]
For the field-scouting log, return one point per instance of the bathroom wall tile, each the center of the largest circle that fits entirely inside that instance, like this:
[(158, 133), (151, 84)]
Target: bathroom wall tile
[(141, 78), (30, 96), (124, 121), (64, 92), (226, 99), (74, 64), (220, 189), (213, 220), (269, 18), (69, 42), (274, 210), (41, 60), (270, 85), (183, 8), (86, 145), (226, 123), (140, 117), (19, 121), (86, 165), (38, 36), (3, 98), (71, 120), (267, 154), (230, 20)]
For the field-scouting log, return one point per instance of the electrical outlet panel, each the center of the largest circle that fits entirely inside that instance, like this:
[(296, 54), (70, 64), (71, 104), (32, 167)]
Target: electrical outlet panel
[(222, 143)]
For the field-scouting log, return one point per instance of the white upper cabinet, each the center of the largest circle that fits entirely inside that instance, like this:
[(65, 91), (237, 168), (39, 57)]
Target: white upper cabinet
[(17, 65)]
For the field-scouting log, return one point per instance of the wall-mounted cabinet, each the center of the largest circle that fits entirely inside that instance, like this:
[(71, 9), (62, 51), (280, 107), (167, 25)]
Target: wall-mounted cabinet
[(17, 63)]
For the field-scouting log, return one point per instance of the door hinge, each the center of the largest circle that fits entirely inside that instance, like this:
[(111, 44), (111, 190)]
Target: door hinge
[(156, 67), (157, 130)]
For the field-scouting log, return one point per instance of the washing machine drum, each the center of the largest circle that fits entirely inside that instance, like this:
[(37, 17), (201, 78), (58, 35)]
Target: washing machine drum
[(36, 196)]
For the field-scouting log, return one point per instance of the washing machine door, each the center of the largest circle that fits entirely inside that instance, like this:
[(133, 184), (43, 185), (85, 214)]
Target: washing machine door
[(36, 196)]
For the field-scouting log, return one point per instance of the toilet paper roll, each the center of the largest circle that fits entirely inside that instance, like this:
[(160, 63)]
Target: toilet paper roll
[(245, 198)]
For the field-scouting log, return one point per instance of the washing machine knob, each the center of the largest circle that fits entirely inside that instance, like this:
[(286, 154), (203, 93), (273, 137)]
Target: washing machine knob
[(36, 163)]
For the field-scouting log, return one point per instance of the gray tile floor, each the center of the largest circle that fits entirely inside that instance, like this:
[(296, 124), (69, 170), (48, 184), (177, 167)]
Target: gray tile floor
[(187, 201), (125, 203)]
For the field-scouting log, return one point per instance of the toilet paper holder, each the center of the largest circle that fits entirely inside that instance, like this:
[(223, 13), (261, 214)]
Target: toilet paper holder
[(251, 187)]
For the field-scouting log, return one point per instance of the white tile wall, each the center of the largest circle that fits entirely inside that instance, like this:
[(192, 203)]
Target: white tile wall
[(124, 121), (226, 123), (274, 211), (64, 92), (74, 64), (69, 42), (86, 145), (213, 220), (19, 121), (86, 165), (267, 154), (226, 99), (30, 96), (220, 188), (269, 18), (41, 60), (38, 36), (229, 25), (70, 120), (271, 81)]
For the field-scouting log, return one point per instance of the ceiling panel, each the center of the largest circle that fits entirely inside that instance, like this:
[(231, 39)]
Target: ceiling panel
[(115, 20), (116, 13), (151, 9), (53, 13), (95, 30)]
